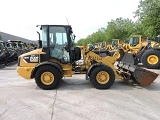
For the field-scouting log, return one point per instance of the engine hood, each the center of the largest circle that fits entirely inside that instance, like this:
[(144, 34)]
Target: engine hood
[(34, 52), (31, 58)]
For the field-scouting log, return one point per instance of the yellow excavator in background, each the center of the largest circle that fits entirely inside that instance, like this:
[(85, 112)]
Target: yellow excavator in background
[(55, 57)]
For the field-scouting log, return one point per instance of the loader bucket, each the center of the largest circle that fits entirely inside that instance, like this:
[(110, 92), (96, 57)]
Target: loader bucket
[(142, 76)]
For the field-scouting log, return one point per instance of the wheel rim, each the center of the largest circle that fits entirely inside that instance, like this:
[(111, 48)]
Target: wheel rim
[(152, 59), (102, 77), (47, 78)]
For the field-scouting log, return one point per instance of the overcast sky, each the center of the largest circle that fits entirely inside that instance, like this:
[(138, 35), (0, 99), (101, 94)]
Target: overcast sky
[(20, 17)]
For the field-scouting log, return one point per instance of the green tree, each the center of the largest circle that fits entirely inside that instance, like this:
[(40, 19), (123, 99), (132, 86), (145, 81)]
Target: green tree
[(119, 29), (116, 29), (95, 37), (148, 14)]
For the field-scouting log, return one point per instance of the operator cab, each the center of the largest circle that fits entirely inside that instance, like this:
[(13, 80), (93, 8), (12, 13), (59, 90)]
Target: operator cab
[(9, 45), (102, 44), (58, 43), (1, 45), (114, 43), (134, 41)]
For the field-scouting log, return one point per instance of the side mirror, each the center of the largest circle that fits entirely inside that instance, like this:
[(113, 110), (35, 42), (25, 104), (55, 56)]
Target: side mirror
[(74, 36)]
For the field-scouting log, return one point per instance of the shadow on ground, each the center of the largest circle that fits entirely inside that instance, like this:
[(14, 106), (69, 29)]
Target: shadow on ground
[(70, 84)]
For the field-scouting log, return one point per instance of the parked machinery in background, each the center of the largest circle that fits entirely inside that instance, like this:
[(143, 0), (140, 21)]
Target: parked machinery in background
[(3, 53), (12, 52), (18, 46), (136, 43), (143, 51), (7, 55), (115, 44)]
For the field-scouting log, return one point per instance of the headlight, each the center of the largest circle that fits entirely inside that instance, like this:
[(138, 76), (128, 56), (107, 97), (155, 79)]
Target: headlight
[(80, 62)]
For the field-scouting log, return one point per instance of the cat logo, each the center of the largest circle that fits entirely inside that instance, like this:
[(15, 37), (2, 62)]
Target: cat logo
[(34, 58)]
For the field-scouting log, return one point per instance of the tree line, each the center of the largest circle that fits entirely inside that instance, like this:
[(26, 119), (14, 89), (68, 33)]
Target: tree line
[(147, 24)]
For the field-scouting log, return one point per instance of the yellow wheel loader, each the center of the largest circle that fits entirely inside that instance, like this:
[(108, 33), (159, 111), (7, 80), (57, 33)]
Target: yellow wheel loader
[(116, 50), (136, 44), (113, 48), (143, 51), (110, 49), (116, 43), (56, 54), (151, 57)]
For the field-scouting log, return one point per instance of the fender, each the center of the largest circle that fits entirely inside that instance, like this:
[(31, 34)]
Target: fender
[(47, 63), (91, 67)]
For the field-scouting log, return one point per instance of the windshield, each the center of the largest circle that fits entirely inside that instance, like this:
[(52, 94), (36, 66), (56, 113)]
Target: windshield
[(44, 36), (134, 41), (95, 45), (9, 45), (89, 46), (20, 45), (1, 45), (114, 43), (102, 45), (57, 36), (16, 45)]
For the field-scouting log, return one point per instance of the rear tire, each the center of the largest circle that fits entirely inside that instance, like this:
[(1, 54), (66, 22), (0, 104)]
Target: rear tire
[(101, 83), (50, 71), (145, 58)]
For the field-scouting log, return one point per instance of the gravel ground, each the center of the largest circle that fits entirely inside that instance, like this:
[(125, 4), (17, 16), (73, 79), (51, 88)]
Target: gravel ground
[(76, 99)]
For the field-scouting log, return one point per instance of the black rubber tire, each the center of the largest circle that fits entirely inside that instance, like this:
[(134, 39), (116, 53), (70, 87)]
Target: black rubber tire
[(77, 53), (121, 55), (145, 56), (94, 73), (135, 61), (54, 71), (139, 55)]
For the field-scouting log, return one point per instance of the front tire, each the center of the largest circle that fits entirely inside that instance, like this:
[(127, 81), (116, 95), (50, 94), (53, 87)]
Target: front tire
[(151, 59), (102, 77), (47, 77)]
